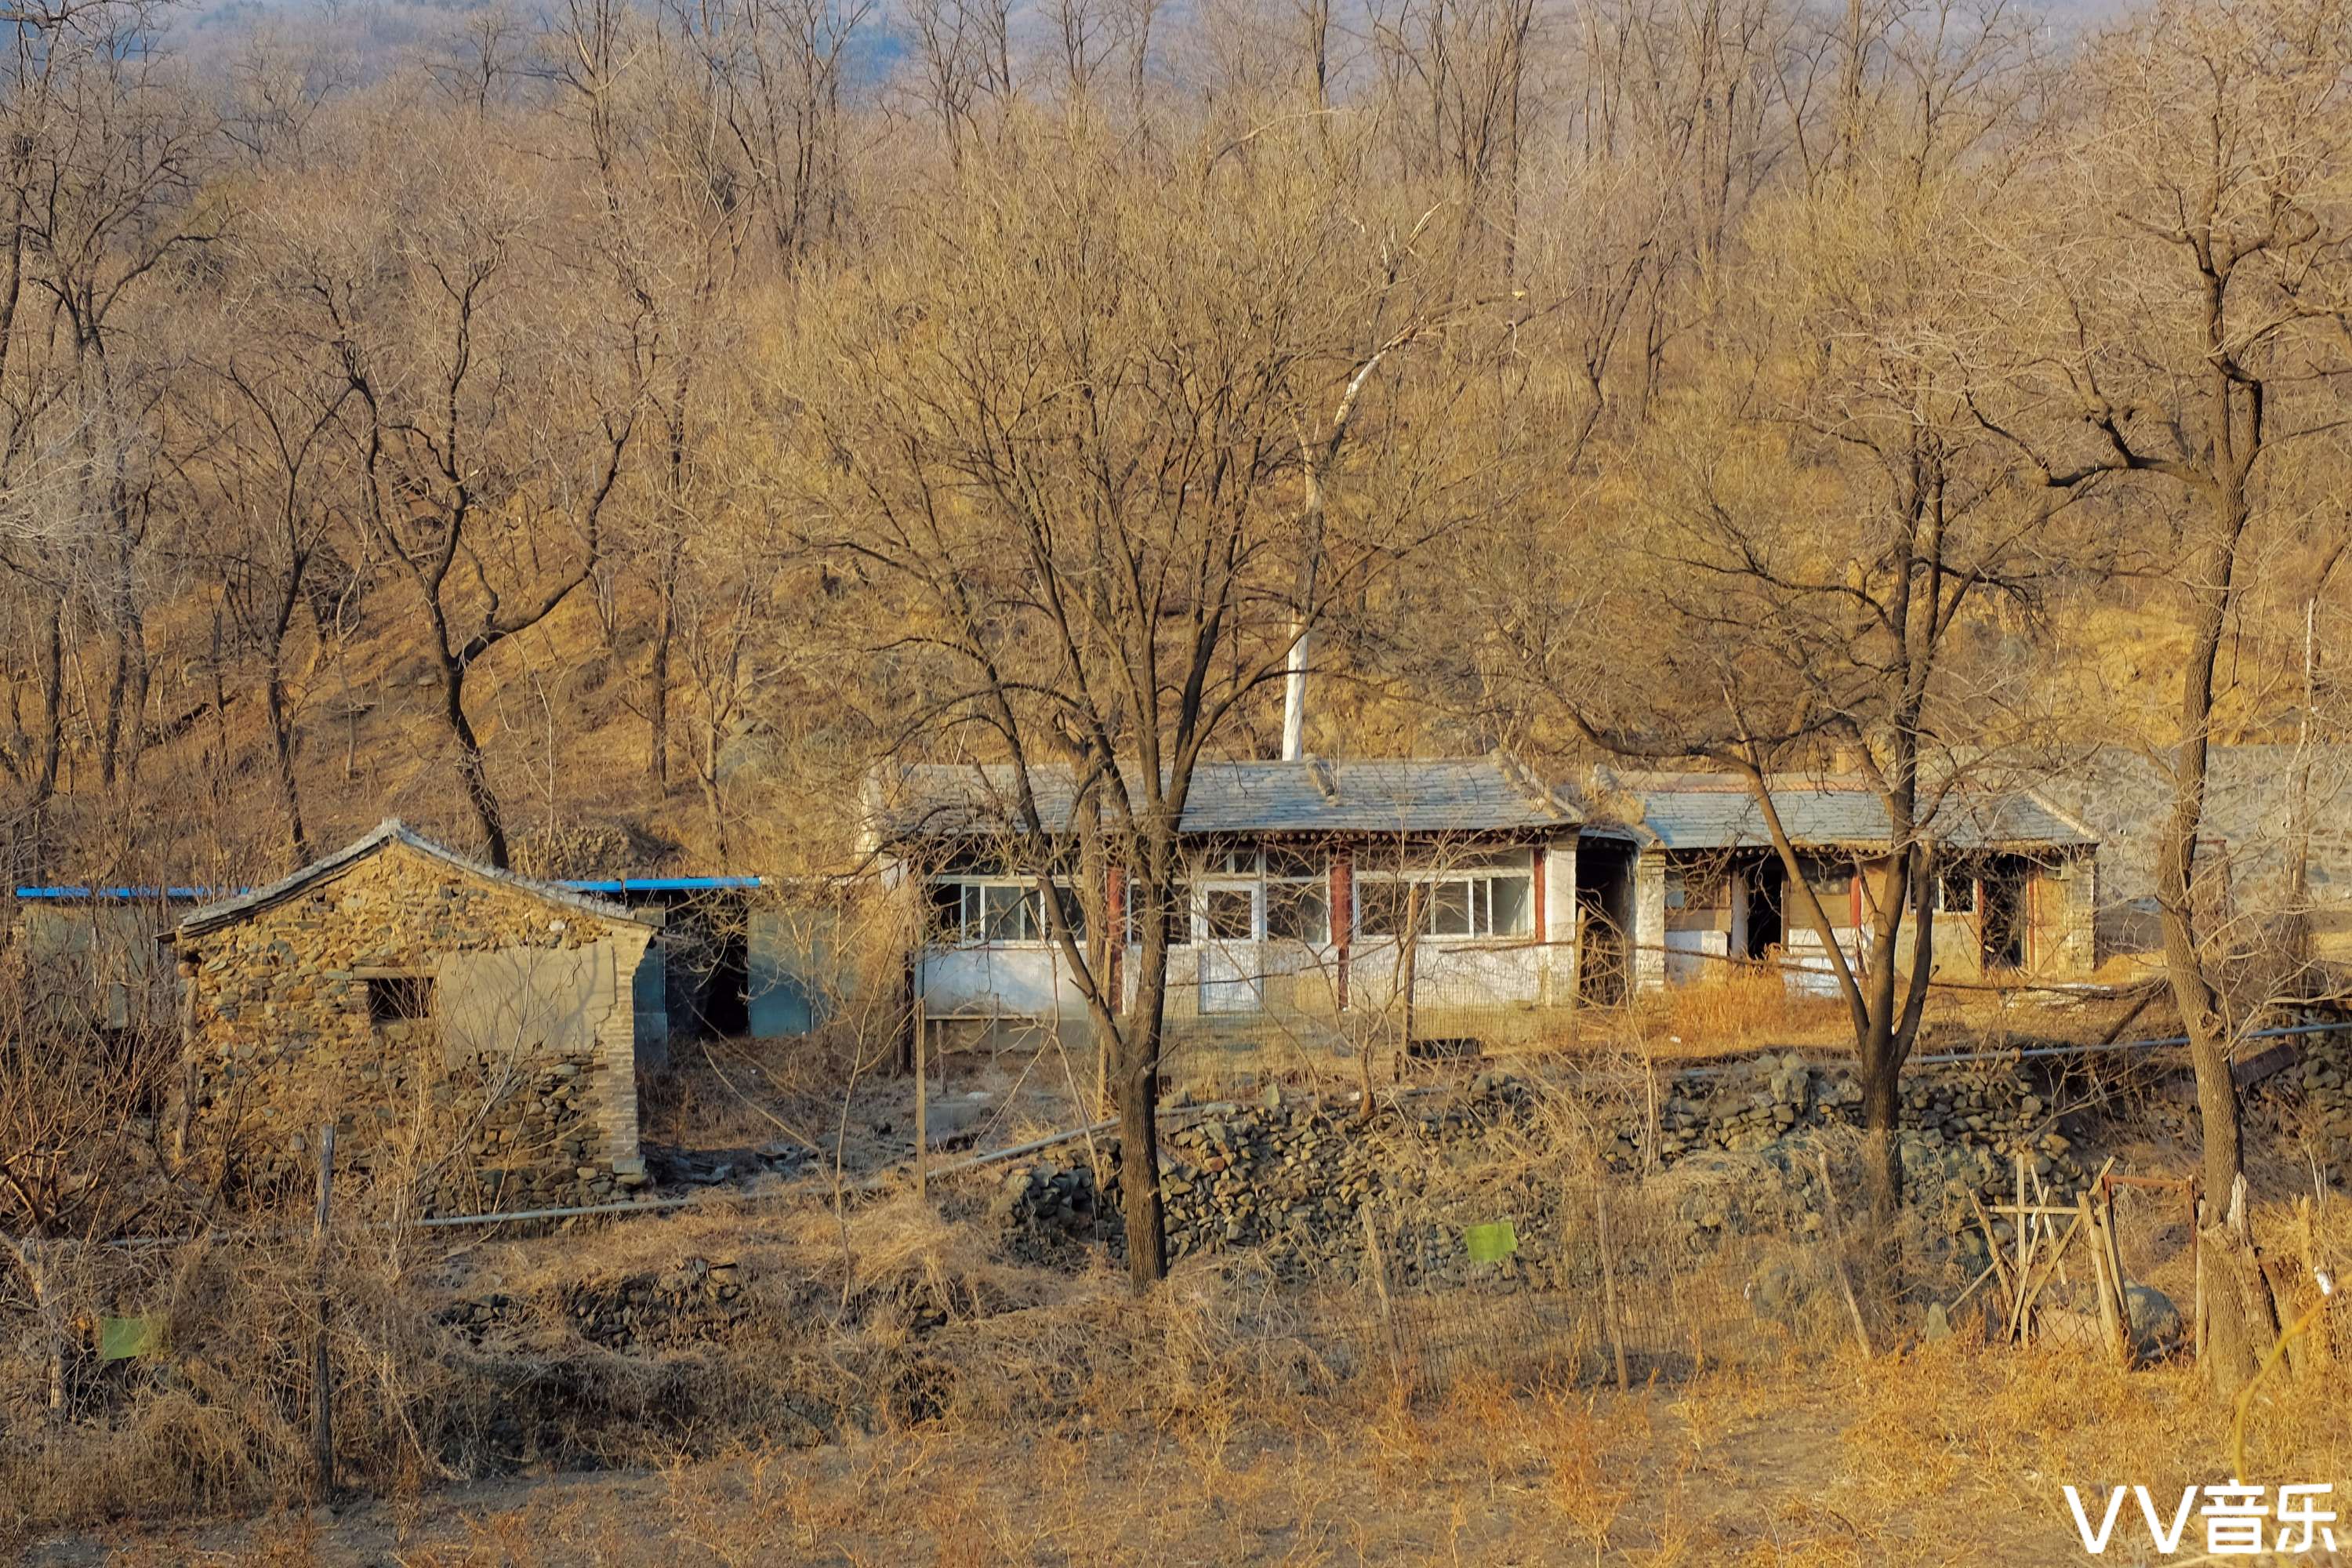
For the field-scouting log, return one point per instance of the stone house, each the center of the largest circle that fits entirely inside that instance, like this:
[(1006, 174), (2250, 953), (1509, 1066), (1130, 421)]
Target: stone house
[(460, 1026), (1329, 906), (1705, 892)]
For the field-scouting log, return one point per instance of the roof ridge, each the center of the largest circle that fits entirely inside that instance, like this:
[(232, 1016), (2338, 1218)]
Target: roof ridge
[(391, 830)]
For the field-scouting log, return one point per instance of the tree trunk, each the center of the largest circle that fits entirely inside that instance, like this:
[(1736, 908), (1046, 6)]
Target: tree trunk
[(657, 700), (2242, 1318), (281, 739), (53, 709), (1140, 1206), (472, 768), (1882, 1147), (1138, 1156)]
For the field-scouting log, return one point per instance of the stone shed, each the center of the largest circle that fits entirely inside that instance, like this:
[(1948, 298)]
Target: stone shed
[(465, 1030)]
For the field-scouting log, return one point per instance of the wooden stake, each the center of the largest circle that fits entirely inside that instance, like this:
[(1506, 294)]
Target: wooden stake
[(1837, 1254), (323, 1389), (2020, 1219), (2104, 1286), (2016, 1319), (2114, 1251), (1609, 1279), (1992, 1250), (1379, 1266), (2056, 1266), (922, 1103)]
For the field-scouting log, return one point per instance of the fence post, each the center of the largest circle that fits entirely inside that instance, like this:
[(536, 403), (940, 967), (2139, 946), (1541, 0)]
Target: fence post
[(1609, 1276), (922, 1103), (1380, 1271), (322, 1394), (2103, 1282)]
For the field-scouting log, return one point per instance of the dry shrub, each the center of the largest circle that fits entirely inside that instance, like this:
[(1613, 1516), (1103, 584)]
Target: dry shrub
[(1742, 1007)]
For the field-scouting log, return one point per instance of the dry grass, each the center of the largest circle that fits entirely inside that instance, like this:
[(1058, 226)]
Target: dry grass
[(1944, 1455), (1055, 1419)]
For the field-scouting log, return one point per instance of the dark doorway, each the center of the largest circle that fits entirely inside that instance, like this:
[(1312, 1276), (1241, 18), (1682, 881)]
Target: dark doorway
[(1767, 896), (2004, 918), (1605, 921), (725, 1010), (706, 963)]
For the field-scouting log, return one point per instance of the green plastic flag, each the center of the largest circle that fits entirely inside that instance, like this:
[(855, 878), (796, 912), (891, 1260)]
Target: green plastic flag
[(119, 1338), (1491, 1243)]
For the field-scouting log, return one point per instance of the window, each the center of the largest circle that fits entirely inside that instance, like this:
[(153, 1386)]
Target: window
[(970, 912), (1493, 896), (399, 998), (1297, 897), (1229, 914), (1382, 905), (1956, 892)]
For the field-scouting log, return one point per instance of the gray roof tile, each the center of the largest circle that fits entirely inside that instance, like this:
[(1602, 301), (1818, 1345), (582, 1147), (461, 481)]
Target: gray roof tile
[(1717, 812), (1315, 796)]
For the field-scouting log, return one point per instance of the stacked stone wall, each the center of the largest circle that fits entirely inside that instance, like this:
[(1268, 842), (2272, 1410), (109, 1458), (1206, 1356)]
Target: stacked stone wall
[(1289, 1176)]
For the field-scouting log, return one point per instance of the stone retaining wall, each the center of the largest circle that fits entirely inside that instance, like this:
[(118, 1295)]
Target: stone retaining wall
[(1289, 1176)]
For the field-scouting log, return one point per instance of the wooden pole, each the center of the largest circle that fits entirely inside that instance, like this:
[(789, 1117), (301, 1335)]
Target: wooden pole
[(2020, 1219), (1837, 1254), (1608, 1277), (2103, 1286), (2114, 1250), (322, 1387), (922, 1103), (1992, 1251), (2017, 1323), (1377, 1265)]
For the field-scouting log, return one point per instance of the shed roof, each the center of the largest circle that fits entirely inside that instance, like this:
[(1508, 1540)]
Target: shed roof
[(1717, 811), (1476, 794), (390, 831)]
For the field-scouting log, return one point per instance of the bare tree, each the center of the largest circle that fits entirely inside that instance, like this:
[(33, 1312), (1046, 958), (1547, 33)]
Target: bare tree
[(2187, 335), (1071, 485), (487, 443)]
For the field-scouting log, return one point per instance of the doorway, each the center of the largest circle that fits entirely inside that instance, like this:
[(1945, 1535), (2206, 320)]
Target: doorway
[(1605, 921), (2004, 918), (1767, 899), (1229, 922)]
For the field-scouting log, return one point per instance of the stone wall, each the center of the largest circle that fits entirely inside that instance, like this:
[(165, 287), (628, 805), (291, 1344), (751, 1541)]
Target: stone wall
[(524, 1065), (1289, 1176)]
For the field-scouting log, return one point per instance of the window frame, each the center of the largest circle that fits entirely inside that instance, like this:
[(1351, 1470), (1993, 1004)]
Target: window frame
[(970, 928), (1476, 880), (1293, 878)]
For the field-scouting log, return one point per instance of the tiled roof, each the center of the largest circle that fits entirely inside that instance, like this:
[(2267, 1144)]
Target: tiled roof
[(391, 830), (1314, 795), (1714, 811)]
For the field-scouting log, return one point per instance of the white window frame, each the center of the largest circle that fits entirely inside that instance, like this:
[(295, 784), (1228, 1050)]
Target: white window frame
[(1477, 881), (1277, 884), (971, 916)]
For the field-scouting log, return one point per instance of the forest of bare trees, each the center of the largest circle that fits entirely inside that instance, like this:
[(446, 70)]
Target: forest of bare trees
[(659, 414)]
